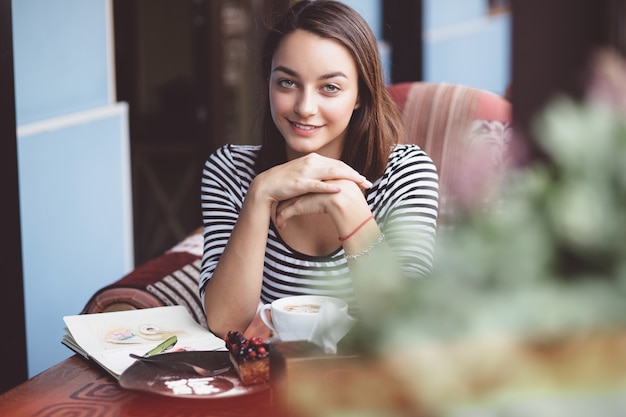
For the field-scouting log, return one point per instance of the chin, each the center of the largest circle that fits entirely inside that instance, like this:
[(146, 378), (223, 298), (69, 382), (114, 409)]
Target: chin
[(298, 151)]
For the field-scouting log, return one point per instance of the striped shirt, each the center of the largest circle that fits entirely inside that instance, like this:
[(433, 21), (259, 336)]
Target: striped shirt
[(403, 200)]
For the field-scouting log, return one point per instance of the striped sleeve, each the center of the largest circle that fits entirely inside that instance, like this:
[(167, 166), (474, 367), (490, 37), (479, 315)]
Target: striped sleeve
[(405, 205), (225, 180)]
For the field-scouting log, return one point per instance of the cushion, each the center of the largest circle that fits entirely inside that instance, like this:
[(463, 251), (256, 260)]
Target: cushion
[(481, 170), (458, 127), (169, 279), (181, 288)]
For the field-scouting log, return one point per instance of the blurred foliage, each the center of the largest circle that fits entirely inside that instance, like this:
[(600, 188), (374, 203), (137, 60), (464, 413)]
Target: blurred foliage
[(549, 258)]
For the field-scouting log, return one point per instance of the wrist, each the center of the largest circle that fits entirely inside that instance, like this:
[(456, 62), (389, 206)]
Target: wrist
[(356, 229), (350, 211), (258, 200)]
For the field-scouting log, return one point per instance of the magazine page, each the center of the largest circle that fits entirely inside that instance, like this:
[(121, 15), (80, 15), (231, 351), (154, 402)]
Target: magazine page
[(109, 338)]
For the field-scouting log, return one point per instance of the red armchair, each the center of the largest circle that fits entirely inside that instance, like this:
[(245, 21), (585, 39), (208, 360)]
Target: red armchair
[(466, 131)]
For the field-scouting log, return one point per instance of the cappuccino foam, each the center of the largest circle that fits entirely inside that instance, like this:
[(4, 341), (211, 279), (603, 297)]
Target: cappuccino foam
[(302, 308)]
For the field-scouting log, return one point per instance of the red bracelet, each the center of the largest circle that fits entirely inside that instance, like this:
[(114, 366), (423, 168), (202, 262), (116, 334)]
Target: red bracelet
[(349, 235)]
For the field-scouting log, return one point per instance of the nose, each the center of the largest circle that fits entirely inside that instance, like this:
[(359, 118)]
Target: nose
[(306, 104)]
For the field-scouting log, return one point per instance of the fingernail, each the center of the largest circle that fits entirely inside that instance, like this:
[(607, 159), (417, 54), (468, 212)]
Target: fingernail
[(364, 180), (367, 184)]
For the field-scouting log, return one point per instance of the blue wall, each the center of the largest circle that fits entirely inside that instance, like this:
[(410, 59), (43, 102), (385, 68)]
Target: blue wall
[(61, 60), (464, 45), (74, 165)]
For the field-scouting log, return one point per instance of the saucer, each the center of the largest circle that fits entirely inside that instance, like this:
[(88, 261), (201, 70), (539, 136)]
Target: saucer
[(175, 380)]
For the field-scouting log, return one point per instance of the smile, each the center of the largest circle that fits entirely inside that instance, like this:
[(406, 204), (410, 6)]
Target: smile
[(304, 127)]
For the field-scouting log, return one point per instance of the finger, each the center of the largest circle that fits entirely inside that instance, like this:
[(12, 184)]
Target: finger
[(299, 206), (332, 169), (347, 173), (285, 211), (323, 187)]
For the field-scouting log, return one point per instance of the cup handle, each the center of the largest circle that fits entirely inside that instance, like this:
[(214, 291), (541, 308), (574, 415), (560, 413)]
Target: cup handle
[(264, 318)]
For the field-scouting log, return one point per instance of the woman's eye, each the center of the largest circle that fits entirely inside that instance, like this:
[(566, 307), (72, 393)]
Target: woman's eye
[(330, 88), (286, 83)]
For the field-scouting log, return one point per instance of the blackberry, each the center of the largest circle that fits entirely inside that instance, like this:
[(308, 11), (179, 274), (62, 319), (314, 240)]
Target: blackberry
[(244, 350)]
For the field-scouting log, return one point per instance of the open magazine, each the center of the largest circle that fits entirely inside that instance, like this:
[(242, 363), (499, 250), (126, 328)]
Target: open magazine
[(109, 338)]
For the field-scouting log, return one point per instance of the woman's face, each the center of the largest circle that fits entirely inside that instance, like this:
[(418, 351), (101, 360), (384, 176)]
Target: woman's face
[(313, 92)]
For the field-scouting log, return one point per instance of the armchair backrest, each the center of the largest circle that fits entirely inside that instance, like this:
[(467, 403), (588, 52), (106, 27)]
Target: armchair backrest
[(445, 120)]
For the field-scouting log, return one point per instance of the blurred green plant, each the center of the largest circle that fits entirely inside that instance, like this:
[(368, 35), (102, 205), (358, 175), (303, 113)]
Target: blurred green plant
[(549, 259)]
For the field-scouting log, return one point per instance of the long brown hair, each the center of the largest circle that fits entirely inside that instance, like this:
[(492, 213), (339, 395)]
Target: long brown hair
[(375, 125)]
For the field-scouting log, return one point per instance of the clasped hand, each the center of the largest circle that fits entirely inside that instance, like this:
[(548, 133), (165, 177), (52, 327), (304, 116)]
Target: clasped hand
[(311, 184)]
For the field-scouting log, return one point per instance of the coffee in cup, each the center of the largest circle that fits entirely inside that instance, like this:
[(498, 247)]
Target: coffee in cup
[(293, 318)]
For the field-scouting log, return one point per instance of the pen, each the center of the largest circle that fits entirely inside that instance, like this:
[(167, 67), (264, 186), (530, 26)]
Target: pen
[(162, 347)]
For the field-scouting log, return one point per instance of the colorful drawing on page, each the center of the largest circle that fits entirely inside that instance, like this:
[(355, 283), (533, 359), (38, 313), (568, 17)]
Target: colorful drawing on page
[(141, 334), (122, 336)]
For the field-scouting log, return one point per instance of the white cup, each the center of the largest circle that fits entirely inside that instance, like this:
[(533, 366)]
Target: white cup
[(293, 318)]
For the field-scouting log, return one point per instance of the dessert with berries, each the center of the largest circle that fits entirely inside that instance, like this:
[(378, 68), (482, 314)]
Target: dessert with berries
[(250, 357)]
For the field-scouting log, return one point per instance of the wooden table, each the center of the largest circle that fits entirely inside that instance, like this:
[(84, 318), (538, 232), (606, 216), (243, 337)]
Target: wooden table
[(76, 387), (581, 372)]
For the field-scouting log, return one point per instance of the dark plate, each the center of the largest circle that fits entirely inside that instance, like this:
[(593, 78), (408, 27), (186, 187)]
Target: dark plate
[(177, 380)]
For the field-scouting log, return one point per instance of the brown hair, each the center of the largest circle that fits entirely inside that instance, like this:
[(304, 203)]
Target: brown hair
[(375, 125)]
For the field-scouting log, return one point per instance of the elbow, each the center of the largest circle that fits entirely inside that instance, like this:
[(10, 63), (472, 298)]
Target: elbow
[(221, 327), (219, 332)]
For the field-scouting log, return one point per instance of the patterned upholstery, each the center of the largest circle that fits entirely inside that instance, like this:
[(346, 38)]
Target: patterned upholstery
[(168, 279), (462, 129), (181, 288), (452, 123)]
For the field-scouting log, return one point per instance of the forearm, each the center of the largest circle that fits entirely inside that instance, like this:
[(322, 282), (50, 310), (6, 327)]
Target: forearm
[(353, 219), (232, 294), (376, 276)]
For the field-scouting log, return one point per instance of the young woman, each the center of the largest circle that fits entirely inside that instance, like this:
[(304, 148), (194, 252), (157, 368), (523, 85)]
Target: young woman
[(327, 189)]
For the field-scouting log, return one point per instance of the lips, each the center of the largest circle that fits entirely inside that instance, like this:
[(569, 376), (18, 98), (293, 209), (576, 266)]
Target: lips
[(304, 127)]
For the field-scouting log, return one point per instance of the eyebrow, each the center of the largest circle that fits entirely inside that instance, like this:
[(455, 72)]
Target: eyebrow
[(323, 77)]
